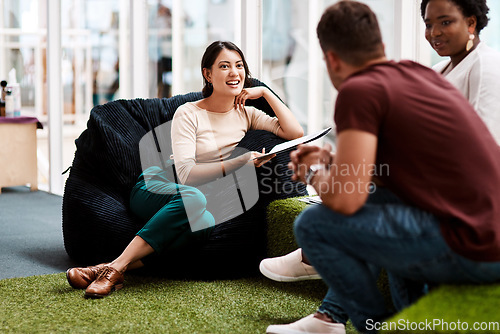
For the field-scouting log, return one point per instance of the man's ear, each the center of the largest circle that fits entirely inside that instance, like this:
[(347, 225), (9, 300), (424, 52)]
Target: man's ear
[(332, 59), (207, 74)]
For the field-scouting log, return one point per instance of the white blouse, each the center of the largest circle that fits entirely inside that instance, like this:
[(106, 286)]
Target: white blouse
[(477, 76)]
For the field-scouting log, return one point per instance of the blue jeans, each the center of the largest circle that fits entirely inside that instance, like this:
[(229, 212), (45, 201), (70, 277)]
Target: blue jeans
[(349, 251)]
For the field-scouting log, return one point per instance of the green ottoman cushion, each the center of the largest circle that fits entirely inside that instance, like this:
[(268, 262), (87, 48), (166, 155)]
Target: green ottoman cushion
[(280, 217), (447, 305)]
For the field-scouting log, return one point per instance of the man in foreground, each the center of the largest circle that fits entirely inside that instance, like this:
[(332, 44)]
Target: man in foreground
[(435, 220)]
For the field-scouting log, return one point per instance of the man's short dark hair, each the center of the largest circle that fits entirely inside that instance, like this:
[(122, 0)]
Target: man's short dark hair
[(351, 30), (477, 8)]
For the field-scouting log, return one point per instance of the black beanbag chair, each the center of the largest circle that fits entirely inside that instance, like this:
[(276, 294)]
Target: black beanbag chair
[(97, 222)]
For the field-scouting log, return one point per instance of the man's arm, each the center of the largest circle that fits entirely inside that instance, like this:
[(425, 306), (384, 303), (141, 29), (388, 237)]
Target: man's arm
[(345, 186)]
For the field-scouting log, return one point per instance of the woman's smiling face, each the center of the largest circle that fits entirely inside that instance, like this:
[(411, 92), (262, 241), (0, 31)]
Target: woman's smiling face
[(227, 74), (446, 28)]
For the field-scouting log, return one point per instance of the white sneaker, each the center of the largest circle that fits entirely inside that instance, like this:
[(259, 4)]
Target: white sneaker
[(288, 268), (307, 325)]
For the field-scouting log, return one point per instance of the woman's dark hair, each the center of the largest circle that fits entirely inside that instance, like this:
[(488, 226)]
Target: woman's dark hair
[(351, 29), (477, 8), (209, 57)]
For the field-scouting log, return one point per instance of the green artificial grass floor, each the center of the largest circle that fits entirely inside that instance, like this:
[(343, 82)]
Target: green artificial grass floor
[(47, 304)]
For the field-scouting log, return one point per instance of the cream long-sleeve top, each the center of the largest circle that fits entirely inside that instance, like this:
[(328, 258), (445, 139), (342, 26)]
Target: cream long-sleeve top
[(477, 76), (202, 136)]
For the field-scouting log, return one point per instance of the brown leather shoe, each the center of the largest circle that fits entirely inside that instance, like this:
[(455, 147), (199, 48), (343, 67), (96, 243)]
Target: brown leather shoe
[(109, 280), (80, 278)]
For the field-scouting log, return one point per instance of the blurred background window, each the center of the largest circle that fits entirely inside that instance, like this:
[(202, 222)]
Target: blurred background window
[(115, 49)]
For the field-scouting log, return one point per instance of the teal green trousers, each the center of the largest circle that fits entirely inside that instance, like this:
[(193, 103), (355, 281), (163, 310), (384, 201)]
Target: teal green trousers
[(161, 203)]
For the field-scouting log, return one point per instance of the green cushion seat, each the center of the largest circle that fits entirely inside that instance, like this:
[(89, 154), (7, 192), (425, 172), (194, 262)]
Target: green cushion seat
[(280, 217)]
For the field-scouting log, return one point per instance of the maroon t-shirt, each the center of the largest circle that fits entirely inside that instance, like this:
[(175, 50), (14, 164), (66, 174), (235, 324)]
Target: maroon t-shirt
[(440, 155)]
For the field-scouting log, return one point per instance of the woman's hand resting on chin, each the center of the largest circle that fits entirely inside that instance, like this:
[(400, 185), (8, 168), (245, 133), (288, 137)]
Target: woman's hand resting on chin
[(251, 93)]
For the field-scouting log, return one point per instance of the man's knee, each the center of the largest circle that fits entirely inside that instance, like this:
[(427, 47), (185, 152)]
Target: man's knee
[(304, 223)]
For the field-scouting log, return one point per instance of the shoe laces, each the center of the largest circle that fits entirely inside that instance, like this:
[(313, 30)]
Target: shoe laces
[(105, 272), (97, 270)]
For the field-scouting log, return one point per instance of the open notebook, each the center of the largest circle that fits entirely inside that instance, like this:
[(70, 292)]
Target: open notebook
[(311, 200), (292, 143)]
